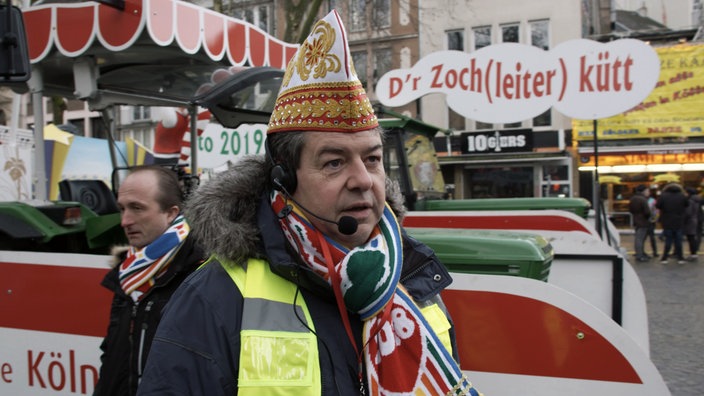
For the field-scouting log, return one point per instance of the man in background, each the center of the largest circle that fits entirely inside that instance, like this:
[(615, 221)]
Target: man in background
[(693, 223), (672, 205), (638, 207), (654, 216), (161, 254)]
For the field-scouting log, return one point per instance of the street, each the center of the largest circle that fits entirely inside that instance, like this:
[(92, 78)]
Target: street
[(675, 298)]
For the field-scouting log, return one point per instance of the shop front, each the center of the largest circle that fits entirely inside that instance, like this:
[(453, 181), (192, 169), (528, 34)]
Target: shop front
[(507, 163), (661, 140), (623, 168)]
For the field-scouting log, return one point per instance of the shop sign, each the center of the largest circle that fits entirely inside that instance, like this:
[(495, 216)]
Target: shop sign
[(655, 157), (513, 141), (673, 108), (512, 82)]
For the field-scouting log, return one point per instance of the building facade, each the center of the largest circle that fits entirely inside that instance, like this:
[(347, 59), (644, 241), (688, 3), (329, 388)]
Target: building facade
[(542, 165), (556, 156)]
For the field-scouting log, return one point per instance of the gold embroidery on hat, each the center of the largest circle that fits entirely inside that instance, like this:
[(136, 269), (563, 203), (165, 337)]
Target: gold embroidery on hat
[(315, 55), (289, 72), (327, 106)]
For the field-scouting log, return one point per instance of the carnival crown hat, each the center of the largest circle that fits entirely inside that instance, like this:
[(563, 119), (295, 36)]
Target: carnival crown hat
[(320, 89)]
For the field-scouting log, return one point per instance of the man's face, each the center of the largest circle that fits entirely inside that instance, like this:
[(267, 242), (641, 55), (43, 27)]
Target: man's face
[(342, 174), (142, 218)]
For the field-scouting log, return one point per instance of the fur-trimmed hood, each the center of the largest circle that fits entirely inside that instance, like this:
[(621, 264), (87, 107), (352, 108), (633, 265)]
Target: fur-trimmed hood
[(222, 212), (118, 254)]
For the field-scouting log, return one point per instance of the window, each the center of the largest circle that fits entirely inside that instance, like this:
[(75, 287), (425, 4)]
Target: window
[(455, 120), (510, 33), (358, 15), (383, 60), (539, 37), (556, 181), (98, 128), (253, 12), (482, 37), (381, 14), (455, 40), (544, 119), (262, 19), (141, 113), (539, 34), (360, 65), (499, 182), (483, 125)]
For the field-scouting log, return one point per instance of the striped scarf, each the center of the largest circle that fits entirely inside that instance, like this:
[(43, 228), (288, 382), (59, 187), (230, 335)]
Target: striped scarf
[(142, 266), (402, 354)]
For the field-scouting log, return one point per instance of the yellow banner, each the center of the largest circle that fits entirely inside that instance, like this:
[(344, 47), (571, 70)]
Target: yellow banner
[(675, 108), (642, 159)]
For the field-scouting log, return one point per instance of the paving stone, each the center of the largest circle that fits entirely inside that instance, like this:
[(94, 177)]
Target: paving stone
[(675, 299)]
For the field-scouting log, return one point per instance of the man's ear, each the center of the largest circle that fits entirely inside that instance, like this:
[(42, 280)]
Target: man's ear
[(173, 213)]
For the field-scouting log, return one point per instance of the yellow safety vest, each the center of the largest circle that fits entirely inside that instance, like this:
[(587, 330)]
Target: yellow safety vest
[(279, 354)]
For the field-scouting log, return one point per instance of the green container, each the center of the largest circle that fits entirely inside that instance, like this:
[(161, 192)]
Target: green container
[(489, 252), (578, 206)]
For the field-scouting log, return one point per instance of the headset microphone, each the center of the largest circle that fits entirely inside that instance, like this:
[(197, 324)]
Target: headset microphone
[(346, 226)]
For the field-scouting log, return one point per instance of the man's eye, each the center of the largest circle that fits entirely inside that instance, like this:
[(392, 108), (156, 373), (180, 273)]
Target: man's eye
[(334, 163)]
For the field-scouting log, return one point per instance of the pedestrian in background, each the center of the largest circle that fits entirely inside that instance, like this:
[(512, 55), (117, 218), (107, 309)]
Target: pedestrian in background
[(654, 216), (640, 212), (160, 255), (672, 205), (693, 223)]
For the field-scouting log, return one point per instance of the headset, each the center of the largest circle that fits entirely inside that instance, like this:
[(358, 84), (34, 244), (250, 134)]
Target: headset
[(281, 178)]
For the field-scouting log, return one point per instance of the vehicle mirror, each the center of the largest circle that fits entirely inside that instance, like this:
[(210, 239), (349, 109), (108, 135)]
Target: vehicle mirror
[(14, 55)]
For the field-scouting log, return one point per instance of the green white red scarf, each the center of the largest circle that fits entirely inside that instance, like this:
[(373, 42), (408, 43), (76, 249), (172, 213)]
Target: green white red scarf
[(142, 266), (402, 354)]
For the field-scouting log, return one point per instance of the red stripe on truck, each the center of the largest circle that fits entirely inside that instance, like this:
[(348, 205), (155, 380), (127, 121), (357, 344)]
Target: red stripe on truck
[(54, 298)]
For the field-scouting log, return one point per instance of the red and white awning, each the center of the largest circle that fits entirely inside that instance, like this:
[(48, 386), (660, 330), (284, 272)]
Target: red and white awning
[(73, 28)]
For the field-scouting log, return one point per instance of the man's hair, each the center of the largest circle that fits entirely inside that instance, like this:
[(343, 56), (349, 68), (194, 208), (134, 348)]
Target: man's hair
[(285, 149), (169, 189)]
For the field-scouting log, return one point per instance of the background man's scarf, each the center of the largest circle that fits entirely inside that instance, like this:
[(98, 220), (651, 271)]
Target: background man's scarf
[(142, 265), (401, 351)]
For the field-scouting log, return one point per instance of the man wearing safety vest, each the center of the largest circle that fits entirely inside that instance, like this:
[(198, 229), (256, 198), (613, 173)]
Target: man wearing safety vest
[(312, 287)]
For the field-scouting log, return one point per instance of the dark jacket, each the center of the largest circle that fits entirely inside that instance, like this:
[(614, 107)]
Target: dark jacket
[(132, 326), (672, 204), (197, 346), (638, 207), (694, 215)]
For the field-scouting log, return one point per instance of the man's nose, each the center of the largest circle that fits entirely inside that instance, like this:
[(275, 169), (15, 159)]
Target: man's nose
[(125, 219), (359, 177)]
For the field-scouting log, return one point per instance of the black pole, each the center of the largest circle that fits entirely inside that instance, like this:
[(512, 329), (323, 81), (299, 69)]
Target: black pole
[(597, 192), (617, 290), (8, 40)]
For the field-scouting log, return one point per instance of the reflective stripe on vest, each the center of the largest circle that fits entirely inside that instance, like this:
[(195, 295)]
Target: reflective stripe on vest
[(278, 354), (437, 320)]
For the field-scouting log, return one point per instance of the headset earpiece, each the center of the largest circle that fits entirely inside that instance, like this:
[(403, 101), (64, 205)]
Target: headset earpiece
[(282, 179)]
